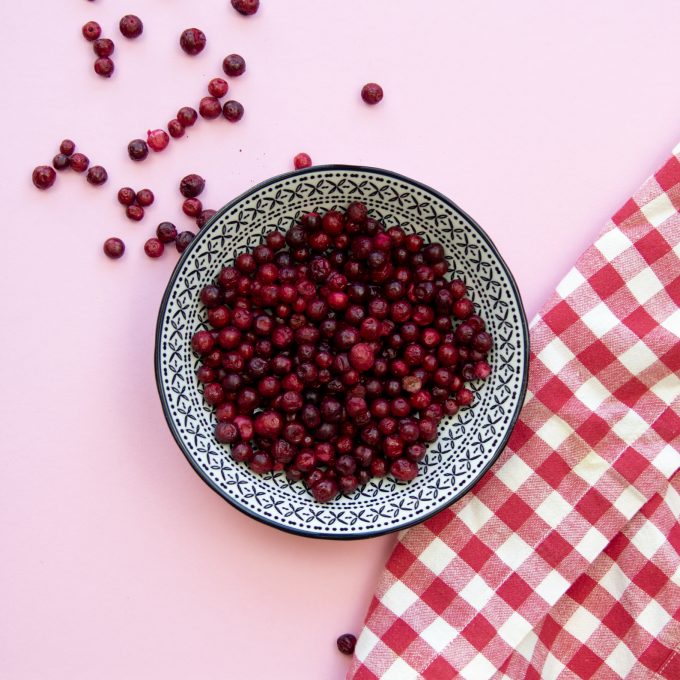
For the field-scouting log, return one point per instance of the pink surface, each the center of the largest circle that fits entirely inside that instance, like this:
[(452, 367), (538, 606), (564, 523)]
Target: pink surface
[(118, 562)]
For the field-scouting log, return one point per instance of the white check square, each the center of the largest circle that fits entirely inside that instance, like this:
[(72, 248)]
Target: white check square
[(592, 393), (555, 355), (475, 514), (477, 592), (667, 389), (439, 634), (514, 629), (552, 667), (621, 660), (613, 243), (592, 544), (437, 556), (480, 667), (600, 319), (553, 509), (615, 582), (658, 210), (398, 598), (672, 323), (653, 618), (554, 432), (514, 551), (366, 643), (637, 358), (648, 539), (552, 587), (667, 461), (400, 670), (514, 473), (582, 624), (591, 467), (631, 427), (571, 282), (630, 500), (645, 285)]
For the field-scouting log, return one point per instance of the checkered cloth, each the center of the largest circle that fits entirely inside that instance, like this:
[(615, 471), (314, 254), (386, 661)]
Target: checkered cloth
[(564, 562)]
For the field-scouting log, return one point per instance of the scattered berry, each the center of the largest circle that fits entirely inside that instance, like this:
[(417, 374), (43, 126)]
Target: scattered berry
[(157, 139), (145, 197), (192, 41), (131, 26), (175, 128), (126, 196), (187, 116), (103, 47), (44, 176), (218, 87), (104, 67), (371, 93), (79, 162), (347, 643), (91, 31), (138, 150), (61, 161), (114, 248), (192, 207), (302, 160), (191, 185), (134, 213), (67, 147), (154, 247), (246, 7), (232, 111), (166, 232), (234, 65), (184, 238), (97, 175), (209, 108), (203, 218)]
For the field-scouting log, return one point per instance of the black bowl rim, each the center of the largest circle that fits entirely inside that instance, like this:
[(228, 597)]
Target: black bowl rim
[(166, 297)]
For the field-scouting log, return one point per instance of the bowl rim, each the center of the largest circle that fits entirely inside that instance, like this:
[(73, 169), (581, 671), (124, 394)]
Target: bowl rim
[(158, 341)]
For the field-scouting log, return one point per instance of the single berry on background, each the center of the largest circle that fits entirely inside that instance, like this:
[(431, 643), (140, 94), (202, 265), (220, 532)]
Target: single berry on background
[(91, 31), (61, 161), (234, 65), (79, 162), (175, 128), (97, 175), (131, 26), (114, 248), (126, 196), (192, 41), (134, 213), (184, 238), (138, 150), (302, 160), (192, 207), (67, 147), (372, 93), (166, 232), (246, 7), (187, 116), (104, 67), (218, 87), (209, 108), (347, 643), (103, 47), (191, 185), (157, 139), (145, 197), (232, 111), (44, 176), (154, 247)]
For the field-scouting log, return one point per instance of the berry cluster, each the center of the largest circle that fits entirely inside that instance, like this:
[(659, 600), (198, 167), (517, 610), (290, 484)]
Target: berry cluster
[(45, 176)]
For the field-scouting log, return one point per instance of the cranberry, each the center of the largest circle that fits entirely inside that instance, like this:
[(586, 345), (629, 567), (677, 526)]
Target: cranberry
[(138, 150), (232, 111), (103, 47), (154, 248), (204, 217), (234, 65), (226, 433), (97, 175), (192, 41), (371, 93), (404, 470), (157, 139), (67, 147), (325, 490), (482, 342), (218, 87), (302, 160), (134, 212), (175, 128), (261, 463), (463, 308), (91, 31), (213, 393), (126, 196), (246, 7), (192, 207), (191, 185), (416, 452), (183, 239), (378, 467), (362, 357), (209, 108), (242, 452), (131, 26), (145, 197), (79, 162), (482, 370), (114, 248), (104, 67), (187, 116), (464, 397), (268, 424), (44, 177)]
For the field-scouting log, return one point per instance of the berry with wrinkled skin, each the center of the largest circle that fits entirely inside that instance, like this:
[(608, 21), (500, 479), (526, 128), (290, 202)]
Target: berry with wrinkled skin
[(91, 31), (175, 128), (134, 212), (246, 7), (114, 248), (145, 197), (104, 67), (372, 93), (126, 196), (103, 47), (44, 177), (184, 238), (191, 185), (154, 247), (79, 162), (131, 26), (97, 175), (192, 41), (166, 232), (157, 139), (138, 150), (232, 111), (234, 65), (302, 160), (61, 161), (346, 643), (218, 87)]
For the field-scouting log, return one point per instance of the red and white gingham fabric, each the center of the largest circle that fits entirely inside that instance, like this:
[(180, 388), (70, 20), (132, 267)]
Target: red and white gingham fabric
[(564, 562)]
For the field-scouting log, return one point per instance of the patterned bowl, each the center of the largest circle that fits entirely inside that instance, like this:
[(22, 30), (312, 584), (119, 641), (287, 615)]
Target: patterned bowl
[(468, 443)]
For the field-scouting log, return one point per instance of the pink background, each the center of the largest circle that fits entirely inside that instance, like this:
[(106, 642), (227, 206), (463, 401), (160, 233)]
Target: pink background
[(117, 561)]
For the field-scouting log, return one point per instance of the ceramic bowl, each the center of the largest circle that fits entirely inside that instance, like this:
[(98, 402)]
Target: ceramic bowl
[(468, 443)]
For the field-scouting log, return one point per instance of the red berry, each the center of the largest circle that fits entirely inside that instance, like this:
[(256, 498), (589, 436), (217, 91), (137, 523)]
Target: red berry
[(104, 67), (44, 177), (218, 87), (157, 139), (131, 26), (175, 128), (154, 248), (404, 470), (192, 207), (103, 47), (302, 160), (191, 185), (114, 248), (61, 162), (67, 147), (126, 196), (184, 238), (187, 116), (97, 175), (91, 31), (246, 7), (138, 150), (371, 93), (145, 197), (325, 490), (192, 41), (209, 108), (79, 162), (234, 65), (134, 212), (232, 111), (166, 232)]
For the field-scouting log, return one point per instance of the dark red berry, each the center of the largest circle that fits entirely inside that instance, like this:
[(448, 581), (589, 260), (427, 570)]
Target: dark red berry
[(184, 238), (131, 26), (371, 93), (61, 161), (218, 87), (166, 232), (246, 7), (154, 248), (191, 185), (232, 111), (126, 196), (145, 197), (114, 248), (192, 207), (134, 212), (175, 128), (91, 30), (138, 150), (192, 41), (325, 490), (67, 147), (187, 116), (104, 67), (204, 217), (234, 65), (44, 176), (302, 160), (79, 162), (97, 175), (157, 139), (103, 47)]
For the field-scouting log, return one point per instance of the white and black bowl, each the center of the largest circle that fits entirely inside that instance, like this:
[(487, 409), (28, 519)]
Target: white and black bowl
[(468, 443)]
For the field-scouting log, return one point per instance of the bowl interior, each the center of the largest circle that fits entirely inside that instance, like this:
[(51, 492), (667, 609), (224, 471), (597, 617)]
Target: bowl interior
[(467, 444)]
